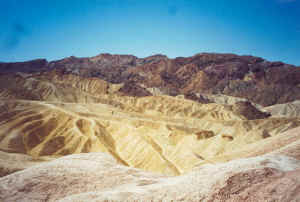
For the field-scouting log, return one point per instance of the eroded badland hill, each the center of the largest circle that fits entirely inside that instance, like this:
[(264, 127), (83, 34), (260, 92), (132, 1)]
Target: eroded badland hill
[(212, 127)]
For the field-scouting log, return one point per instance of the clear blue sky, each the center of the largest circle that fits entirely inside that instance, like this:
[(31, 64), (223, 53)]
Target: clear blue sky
[(54, 29)]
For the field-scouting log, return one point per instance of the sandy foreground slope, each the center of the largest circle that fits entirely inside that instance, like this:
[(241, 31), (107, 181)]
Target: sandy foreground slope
[(98, 177)]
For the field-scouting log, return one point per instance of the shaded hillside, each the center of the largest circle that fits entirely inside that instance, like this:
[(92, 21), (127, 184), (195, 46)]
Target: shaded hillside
[(262, 82)]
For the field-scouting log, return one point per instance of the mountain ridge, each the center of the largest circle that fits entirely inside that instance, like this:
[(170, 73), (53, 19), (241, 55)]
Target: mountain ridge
[(260, 81)]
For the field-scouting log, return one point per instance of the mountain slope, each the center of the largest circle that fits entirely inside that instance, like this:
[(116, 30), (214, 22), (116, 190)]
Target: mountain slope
[(70, 106)]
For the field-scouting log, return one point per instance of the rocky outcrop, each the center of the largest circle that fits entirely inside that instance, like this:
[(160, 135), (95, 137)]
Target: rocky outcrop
[(249, 111), (133, 89)]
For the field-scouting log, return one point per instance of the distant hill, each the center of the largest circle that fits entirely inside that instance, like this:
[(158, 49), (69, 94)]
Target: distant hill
[(262, 82)]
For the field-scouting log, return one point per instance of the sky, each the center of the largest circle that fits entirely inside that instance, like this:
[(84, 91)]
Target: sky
[(54, 29)]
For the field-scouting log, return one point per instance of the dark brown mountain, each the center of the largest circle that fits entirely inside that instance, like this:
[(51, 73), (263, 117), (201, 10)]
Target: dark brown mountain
[(254, 78), (26, 67)]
